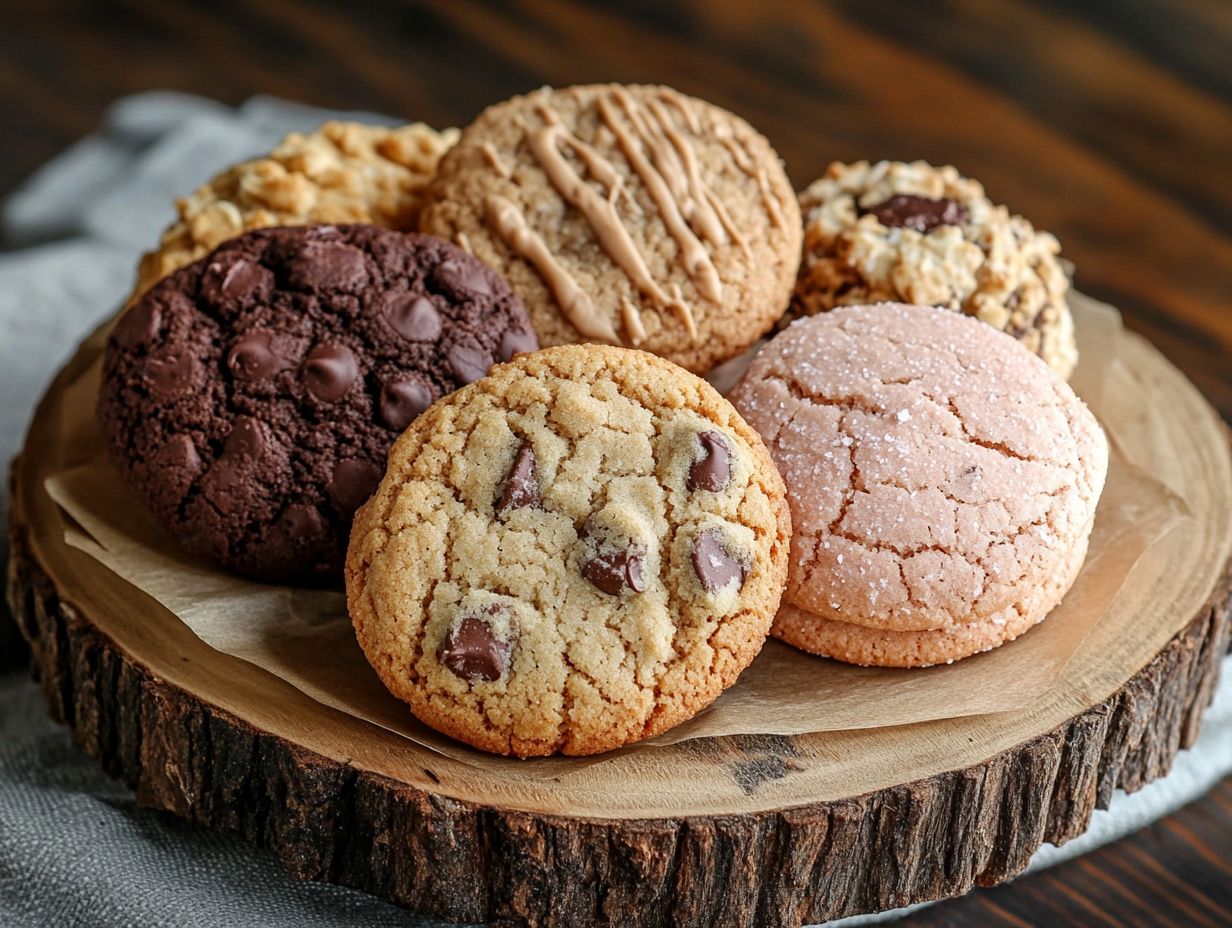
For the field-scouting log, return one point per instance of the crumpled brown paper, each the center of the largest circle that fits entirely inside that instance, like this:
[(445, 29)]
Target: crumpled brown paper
[(304, 637)]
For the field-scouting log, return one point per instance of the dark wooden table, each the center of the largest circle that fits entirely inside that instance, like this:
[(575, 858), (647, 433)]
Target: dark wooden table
[(1108, 122)]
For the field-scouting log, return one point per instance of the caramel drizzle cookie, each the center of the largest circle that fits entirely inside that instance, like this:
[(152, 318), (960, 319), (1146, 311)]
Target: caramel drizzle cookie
[(579, 551), (670, 225), (926, 235), (342, 172)]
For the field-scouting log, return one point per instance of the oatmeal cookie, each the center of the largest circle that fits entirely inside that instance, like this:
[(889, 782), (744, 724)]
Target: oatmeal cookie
[(343, 172), (920, 234), (579, 551)]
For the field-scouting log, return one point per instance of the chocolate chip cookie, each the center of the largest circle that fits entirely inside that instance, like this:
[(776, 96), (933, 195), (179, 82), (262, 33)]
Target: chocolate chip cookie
[(629, 215), (915, 233), (251, 397), (576, 552)]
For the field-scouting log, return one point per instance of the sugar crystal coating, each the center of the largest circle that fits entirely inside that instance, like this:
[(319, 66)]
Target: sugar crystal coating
[(938, 473)]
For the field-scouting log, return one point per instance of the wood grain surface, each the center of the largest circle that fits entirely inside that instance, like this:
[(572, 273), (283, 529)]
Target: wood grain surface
[(1106, 122)]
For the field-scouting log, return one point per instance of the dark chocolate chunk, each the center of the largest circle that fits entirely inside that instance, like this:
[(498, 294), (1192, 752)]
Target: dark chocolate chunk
[(714, 564), (254, 356), (402, 400), (300, 524), (468, 361), (329, 371), (168, 376), (247, 439), (522, 484), (412, 316), (137, 327), (923, 214), (472, 651), (353, 482), (615, 571), (712, 471), (178, 464), (517, 341), (461, 279), (232, 473), (325, 266), (238, 281), (180, 454)]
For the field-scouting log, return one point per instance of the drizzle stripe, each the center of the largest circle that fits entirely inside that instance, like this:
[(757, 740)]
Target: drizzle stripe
[(696, 258), (576, 305)]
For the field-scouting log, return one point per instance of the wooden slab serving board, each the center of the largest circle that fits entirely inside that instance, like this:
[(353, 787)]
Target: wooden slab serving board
[(766, 830)]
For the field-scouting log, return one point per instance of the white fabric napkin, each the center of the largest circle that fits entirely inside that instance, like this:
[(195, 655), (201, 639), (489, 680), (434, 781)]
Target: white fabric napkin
[(74, 847)]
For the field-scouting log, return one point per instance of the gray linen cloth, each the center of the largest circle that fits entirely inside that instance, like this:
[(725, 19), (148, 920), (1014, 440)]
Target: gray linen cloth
[(75, 849)]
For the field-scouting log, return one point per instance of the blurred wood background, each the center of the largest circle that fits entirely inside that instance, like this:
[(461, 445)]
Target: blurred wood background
[(1107, 122)]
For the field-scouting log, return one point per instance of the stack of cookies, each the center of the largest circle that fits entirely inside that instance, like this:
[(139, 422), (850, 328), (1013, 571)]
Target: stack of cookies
[(463, 372)]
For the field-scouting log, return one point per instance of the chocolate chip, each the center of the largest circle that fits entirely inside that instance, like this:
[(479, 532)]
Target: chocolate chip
[(517, 341), (230, 476), (300, 524), (412, 316), (247, 439), (137, 327), (353, 481), (468, 361), (614, 572), (329, 371), (473, 652), (712, 471), (253, 357), (178, 464), (461, 279), (168, 376), (714, 565), (237, 281), (322, 266), (522, 484), (923, 214), (402, 400), (180, 454)]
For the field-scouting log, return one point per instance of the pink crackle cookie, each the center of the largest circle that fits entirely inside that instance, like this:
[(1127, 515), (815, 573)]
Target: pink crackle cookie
[(942, 482)]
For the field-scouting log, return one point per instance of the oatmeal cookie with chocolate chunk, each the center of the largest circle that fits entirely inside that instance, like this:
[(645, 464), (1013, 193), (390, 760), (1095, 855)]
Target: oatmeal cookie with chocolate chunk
[(577, 552), (251, 397), (942, 482), (926, 235), (343, 172), (629, 215)]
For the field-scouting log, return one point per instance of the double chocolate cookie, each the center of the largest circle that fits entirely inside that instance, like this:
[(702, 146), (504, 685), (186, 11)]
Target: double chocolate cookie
[(252, 396), (576, 552)]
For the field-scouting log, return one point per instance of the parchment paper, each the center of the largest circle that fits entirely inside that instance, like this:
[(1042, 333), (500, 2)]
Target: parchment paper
[(305, 638)]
